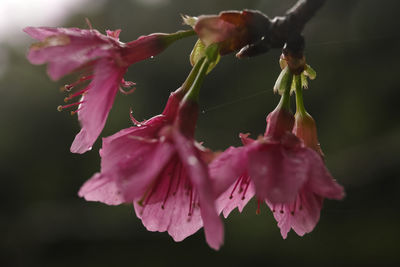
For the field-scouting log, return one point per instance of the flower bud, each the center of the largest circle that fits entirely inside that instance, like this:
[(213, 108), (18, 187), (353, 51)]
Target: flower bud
[(306, 129), (233, 30)]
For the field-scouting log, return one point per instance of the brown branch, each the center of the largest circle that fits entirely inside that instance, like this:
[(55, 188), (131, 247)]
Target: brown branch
[(285, 29)]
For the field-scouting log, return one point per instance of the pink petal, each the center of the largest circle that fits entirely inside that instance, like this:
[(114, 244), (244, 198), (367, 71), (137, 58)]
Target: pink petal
[(321, 181), (300, 215), (213, 29), (65, 49), (198, 173), (127, 144), (304, 221), (233, 198), (227, 167), (98, 101), (102, 188), (278, 172), (154, 213), (168, 207), (183, 225)]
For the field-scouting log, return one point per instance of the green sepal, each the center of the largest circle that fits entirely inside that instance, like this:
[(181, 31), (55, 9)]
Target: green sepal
[(304, 81), (310, 72), (200, 50), (189, 20)]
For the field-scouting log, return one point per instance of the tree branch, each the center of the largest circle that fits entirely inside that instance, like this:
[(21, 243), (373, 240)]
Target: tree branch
[(285, 29)]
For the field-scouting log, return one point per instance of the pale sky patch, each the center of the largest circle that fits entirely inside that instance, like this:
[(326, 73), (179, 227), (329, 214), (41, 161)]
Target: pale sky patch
[(17, 14)]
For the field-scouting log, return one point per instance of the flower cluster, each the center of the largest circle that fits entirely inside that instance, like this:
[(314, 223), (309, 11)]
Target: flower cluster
[(175, 183)]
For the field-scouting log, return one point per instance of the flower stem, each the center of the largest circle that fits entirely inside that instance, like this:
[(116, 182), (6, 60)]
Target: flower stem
[(211, 55), (299, 96), (193, 93), (172, 37), (187, 84)]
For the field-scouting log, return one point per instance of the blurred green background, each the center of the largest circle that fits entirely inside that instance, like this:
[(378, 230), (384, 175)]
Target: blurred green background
[(353, 45)]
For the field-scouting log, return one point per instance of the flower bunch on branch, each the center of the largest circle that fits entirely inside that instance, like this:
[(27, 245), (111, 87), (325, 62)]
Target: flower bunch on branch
[(176, 184)]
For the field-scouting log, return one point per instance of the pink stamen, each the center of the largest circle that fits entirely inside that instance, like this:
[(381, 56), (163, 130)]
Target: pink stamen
[(190, 202), (134, 121), (75, 111), (81, 92), (258, 207), (60, 108), (234, 188), (68, 87), (127, 92), (245, 190), (180, 169), (282, 211), (169, 187)]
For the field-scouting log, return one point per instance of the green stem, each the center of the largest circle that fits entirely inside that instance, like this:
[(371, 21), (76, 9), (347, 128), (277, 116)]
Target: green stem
[(192, 76), (299, 96), (211, 55), (172, 37), (194, 91)]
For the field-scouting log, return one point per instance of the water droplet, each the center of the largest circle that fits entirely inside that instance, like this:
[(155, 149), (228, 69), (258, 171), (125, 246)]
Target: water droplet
[(192, 160), (203, 111)]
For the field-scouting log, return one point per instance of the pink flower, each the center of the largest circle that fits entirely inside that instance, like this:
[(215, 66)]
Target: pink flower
[(279, 169), (161, 169), (232, 30), (102, 61)]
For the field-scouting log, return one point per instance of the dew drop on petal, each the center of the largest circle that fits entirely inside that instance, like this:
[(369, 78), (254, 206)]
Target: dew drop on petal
[(192, 160)]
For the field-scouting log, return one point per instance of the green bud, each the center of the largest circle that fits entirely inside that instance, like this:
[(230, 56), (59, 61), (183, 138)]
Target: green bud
[(284, 81), (200, 50)]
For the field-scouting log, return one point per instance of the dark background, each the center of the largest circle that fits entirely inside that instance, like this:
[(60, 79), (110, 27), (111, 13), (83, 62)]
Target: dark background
[(353, 45)]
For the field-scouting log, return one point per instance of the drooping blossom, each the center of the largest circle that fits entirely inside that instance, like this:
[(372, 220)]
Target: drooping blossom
[(102, 61), (161, 169), (232, 30), (279, 169)]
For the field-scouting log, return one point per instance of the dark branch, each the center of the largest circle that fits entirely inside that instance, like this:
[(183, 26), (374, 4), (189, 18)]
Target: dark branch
[(286, 29)]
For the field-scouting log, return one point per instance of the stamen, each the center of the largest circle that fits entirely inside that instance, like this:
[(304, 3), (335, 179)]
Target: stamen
[(180, 169), (258, 207), (71, 96), (190, 202), (68, 87), (292, 206), (169, 187), (60, 108), (134, 121), (75, 111), (245, 189), (234, 188), (127, 92)]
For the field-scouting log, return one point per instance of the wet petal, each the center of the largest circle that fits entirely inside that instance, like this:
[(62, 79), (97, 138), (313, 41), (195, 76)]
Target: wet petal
[(102, 188), (278, 173), (236, 195), (226, 168), (198, 173), (97, 104), (320, 180)]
